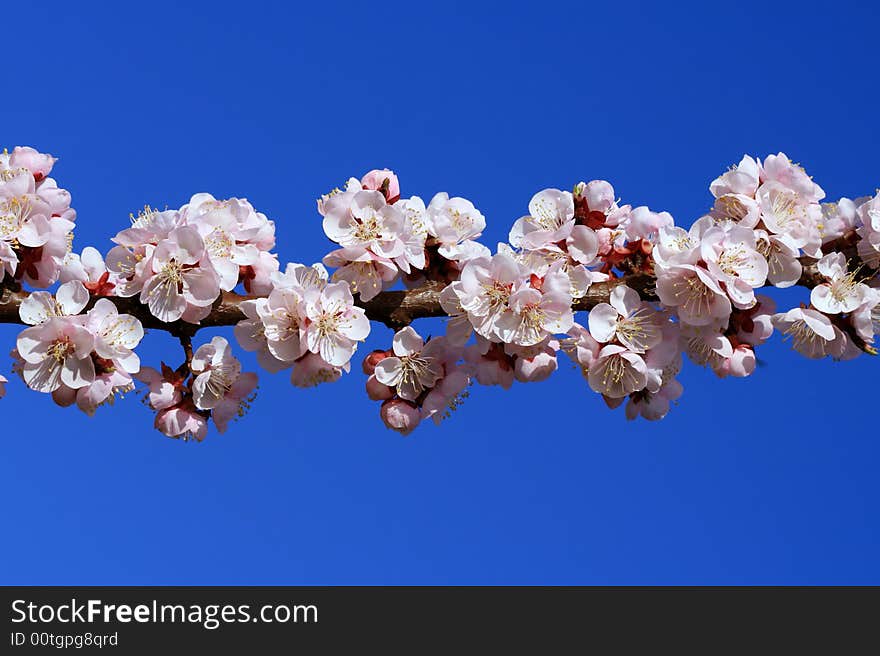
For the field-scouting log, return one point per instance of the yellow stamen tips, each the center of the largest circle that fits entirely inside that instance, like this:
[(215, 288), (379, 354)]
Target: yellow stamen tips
[(13, 213), (498, 293), (60, 350), (369, 229), (800, 333), (144, 219)]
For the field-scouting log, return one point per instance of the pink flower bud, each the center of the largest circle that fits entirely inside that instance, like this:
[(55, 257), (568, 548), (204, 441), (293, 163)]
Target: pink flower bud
[(383, 180), (372, 359), (400, 415), (377, 391)]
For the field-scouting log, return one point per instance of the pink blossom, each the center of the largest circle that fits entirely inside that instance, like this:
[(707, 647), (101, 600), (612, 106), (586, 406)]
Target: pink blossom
[(164, 389), (235, 402), (454, 223), (536, 363), (653, 406), (731, 256), (489, 364), (251, 334), (550, 220), (841, 293), (617, 372), (445, 397), (741, 179), (57, 352), (215, 369), (694, 293), (184, 421), (810, 331), (414, 367), (182, 283), (628, 319), (335, 326)]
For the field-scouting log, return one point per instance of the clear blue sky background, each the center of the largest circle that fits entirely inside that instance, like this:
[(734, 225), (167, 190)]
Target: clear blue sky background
[(768, 480)]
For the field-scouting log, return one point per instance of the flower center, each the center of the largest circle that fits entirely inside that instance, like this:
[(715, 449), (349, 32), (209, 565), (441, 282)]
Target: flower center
[(369, 229), (13, 213), (61, 349), (219, 243)]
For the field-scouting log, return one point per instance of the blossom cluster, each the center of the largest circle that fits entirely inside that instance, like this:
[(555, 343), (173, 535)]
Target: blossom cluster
[(36, 219), (307, 323), (87, 359), (179, 261), (621, 290), (210, 386), (416, 380), (384, 237)]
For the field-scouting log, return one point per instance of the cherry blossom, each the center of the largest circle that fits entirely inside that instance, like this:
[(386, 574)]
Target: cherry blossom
[(626, 318), (617, 372), (414, 367), (694, 293), (335, 326), (655, 292), (454, 223), (842, 293), (811, 332)]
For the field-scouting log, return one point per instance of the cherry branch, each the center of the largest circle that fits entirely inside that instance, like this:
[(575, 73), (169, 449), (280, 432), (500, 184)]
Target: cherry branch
[(395, 309)]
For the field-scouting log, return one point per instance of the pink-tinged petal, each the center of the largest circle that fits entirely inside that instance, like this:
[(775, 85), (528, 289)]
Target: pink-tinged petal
[(337, 293), (603, 322), (72, 297), (388, 371), (191, 247), (129, 362), (32, 343), (406, 342), (163, 299), (625, 300), (39, 164), (359, 326), (288, 349), (206, 396), (819, 324), (37, 308), (43, 376), (78, 373), (34, 232), (336, 351), (583, 244), (227, 273), (93, 262), (200, 286)]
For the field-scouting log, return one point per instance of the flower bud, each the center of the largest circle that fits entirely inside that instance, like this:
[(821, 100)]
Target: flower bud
[(400, 415), (377, 391), (372, 359), (382, 180)]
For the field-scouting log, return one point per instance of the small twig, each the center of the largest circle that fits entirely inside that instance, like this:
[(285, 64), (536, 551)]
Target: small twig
[(186, 343)]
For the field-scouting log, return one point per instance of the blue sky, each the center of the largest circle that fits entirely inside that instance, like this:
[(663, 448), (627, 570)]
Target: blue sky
[(768, 480)]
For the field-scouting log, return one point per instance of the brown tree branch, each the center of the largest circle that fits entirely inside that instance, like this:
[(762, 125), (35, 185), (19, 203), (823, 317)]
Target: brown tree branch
[(395, 309)]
